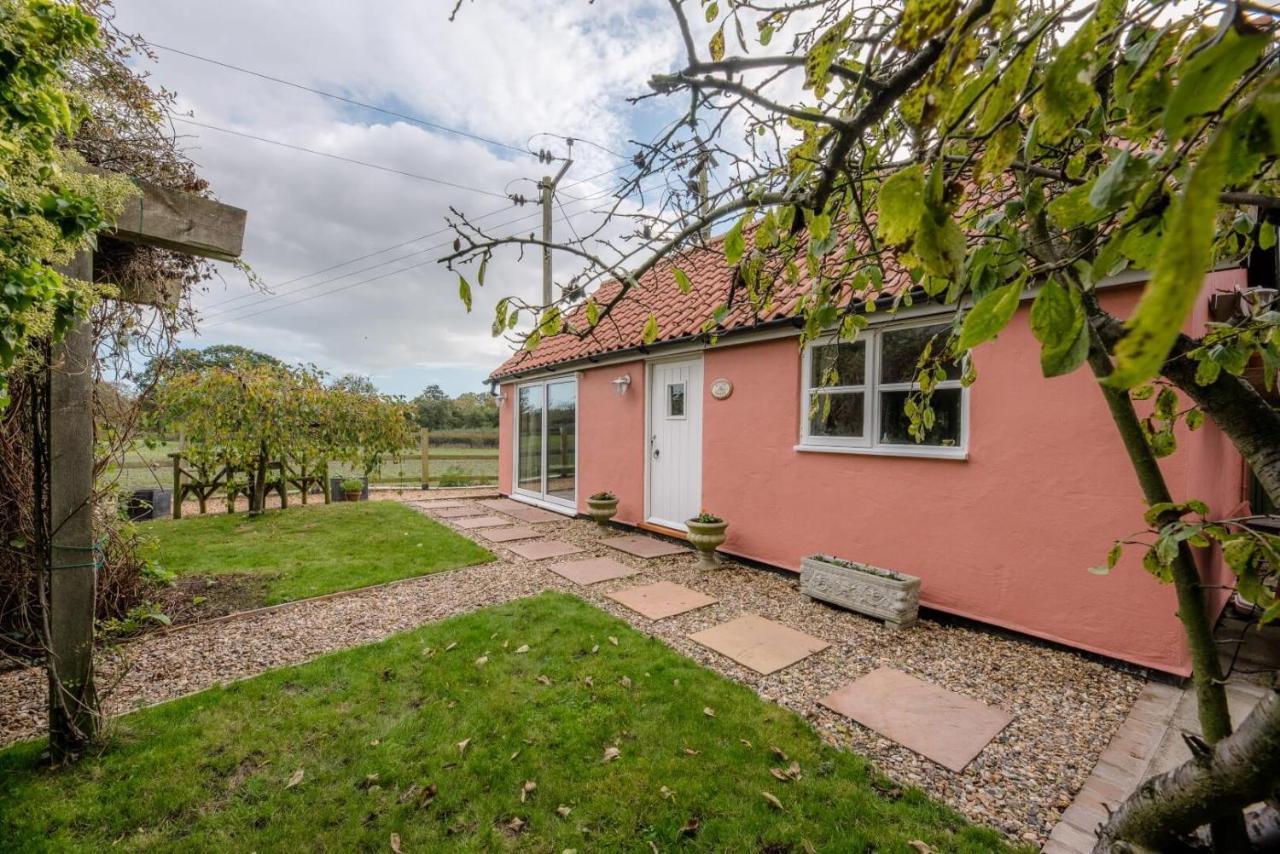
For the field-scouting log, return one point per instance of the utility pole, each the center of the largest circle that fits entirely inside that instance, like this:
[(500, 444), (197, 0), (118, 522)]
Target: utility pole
[(547, 186)]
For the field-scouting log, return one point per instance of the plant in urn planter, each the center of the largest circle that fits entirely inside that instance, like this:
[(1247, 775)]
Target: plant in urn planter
[(351, 489), (602, 506), (706, 532)]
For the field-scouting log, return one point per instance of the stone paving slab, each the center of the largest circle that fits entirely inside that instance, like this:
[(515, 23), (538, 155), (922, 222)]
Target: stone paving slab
[(762, 645), (661, 600), (473, 522), (941, 725), (525, 513), (440, 504), (646, 547), (502, 505), (451, 512), (592, 570), (506, 535), (543, 549)]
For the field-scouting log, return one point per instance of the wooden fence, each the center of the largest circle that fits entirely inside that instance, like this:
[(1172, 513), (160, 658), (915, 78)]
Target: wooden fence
[(459, 458)]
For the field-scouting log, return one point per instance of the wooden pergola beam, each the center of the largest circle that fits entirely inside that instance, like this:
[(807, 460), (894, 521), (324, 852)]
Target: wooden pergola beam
[(183, 223)]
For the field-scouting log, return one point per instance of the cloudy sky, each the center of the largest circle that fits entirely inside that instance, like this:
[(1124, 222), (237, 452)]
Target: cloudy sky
[(504, 70)]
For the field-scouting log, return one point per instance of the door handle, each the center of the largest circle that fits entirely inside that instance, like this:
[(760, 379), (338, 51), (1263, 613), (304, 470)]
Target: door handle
[(656, 453)]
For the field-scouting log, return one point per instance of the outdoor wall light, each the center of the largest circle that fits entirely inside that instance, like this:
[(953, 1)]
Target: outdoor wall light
[(620, 384)]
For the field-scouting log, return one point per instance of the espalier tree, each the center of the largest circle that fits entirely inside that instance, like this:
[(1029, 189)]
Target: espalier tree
[(47, 210), (252, 414), (973, 154)]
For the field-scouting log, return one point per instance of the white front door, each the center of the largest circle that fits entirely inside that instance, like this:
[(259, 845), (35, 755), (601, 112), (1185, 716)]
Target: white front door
[(675, 442)]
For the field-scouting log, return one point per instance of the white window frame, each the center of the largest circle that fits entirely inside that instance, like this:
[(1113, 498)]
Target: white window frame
[(871, 387), (543, 499)]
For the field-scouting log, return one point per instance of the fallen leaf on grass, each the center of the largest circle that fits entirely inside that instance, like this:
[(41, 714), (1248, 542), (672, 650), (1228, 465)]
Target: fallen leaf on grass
[(505, 644), (375, 742), (527, 789), (564, 810), (516, 825), (513, 756), (744, 741), (778, 752), (482, 661), (922, 847), (611, 753), (428, 795), (667, 794), (613, 640), (793, 770), (779, 774), (777, 804), (691, 827), (450, 646), (295, 778), (522, 649), (544, 680), (690, 751), (625, 682), (428, 652), (709, 712), (595, 649), (395, 842), (589, 681), (462, 746)]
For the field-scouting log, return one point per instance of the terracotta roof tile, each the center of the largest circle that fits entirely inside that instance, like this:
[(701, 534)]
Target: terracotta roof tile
[(679, 316)]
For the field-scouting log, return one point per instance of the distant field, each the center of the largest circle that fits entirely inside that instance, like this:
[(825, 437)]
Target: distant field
[(470, 454)]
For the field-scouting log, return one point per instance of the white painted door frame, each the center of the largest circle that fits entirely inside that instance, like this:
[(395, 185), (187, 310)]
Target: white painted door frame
[(683, 498)]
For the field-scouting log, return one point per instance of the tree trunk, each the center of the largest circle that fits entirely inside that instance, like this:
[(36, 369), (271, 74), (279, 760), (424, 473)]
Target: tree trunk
[(1166, 810), (1211, 695), (258, 489), (1251, 424)]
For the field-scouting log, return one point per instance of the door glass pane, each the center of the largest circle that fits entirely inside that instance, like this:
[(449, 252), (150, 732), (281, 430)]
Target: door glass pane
[(894, 423), (675, 400), (562, 446), (838, 364), (900, 350), (529, 431), (836, 414)]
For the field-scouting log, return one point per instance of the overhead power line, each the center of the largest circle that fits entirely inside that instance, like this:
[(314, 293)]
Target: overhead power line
[(241, 317), (344, 99), (428, 178)]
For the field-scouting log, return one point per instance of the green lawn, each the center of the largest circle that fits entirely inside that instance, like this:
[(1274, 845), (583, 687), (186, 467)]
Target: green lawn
[(434, 734), (313, 550)]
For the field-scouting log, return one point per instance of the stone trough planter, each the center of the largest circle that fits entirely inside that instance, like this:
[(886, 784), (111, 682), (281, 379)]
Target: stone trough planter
[(890, 596)]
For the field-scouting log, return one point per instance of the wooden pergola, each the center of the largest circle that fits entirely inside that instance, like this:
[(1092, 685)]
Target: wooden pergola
[(156, 217)]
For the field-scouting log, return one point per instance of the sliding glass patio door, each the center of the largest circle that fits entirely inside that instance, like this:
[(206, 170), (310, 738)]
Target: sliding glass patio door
[(547, 441)]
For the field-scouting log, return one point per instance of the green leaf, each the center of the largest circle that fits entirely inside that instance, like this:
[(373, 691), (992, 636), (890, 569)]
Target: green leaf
[(924, 19), (713, 9), (650, 330), (1067, 95), (817, 63), (717, 45), (1058, 323), (1207, 76), (734, 244), (940, 246), (991, 314), (1008, 89), (464, 292), (900, 205), (1186, 254), (593, 312), (682, 280)]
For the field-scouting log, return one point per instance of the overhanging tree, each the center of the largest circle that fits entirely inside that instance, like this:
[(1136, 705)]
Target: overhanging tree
[(993, 150)]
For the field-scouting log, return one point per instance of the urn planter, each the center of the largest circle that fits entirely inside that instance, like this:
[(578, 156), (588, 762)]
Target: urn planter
[(891, 596), (706, 537), (602, 509)]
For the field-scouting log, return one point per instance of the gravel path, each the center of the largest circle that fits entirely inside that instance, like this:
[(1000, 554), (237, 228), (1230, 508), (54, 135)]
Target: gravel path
[(1066, 706)]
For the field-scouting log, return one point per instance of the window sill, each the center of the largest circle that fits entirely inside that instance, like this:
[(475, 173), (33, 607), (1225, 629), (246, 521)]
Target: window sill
[(925, 452)]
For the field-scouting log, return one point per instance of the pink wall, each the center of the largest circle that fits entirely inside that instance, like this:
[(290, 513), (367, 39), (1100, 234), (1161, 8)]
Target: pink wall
[(1005, 536)]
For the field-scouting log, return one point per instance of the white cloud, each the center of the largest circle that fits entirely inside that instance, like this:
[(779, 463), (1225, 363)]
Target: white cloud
[(504, 70)]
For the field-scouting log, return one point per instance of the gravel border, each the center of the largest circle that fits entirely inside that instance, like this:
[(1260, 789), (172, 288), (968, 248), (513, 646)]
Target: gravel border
[(1066, 705)]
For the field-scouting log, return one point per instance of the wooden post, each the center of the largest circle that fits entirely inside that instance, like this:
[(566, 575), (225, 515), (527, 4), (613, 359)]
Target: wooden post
[(177, 485), (324, 482), (73, 700), (424, 448)]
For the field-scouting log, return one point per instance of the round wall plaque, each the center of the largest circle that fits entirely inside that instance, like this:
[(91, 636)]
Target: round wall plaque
[(721, 388)]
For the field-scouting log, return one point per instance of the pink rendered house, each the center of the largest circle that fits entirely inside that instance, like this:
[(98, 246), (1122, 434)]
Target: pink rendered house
[(1022, 485)]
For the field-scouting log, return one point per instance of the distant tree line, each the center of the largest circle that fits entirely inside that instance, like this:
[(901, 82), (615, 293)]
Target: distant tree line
[(435, 410)]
